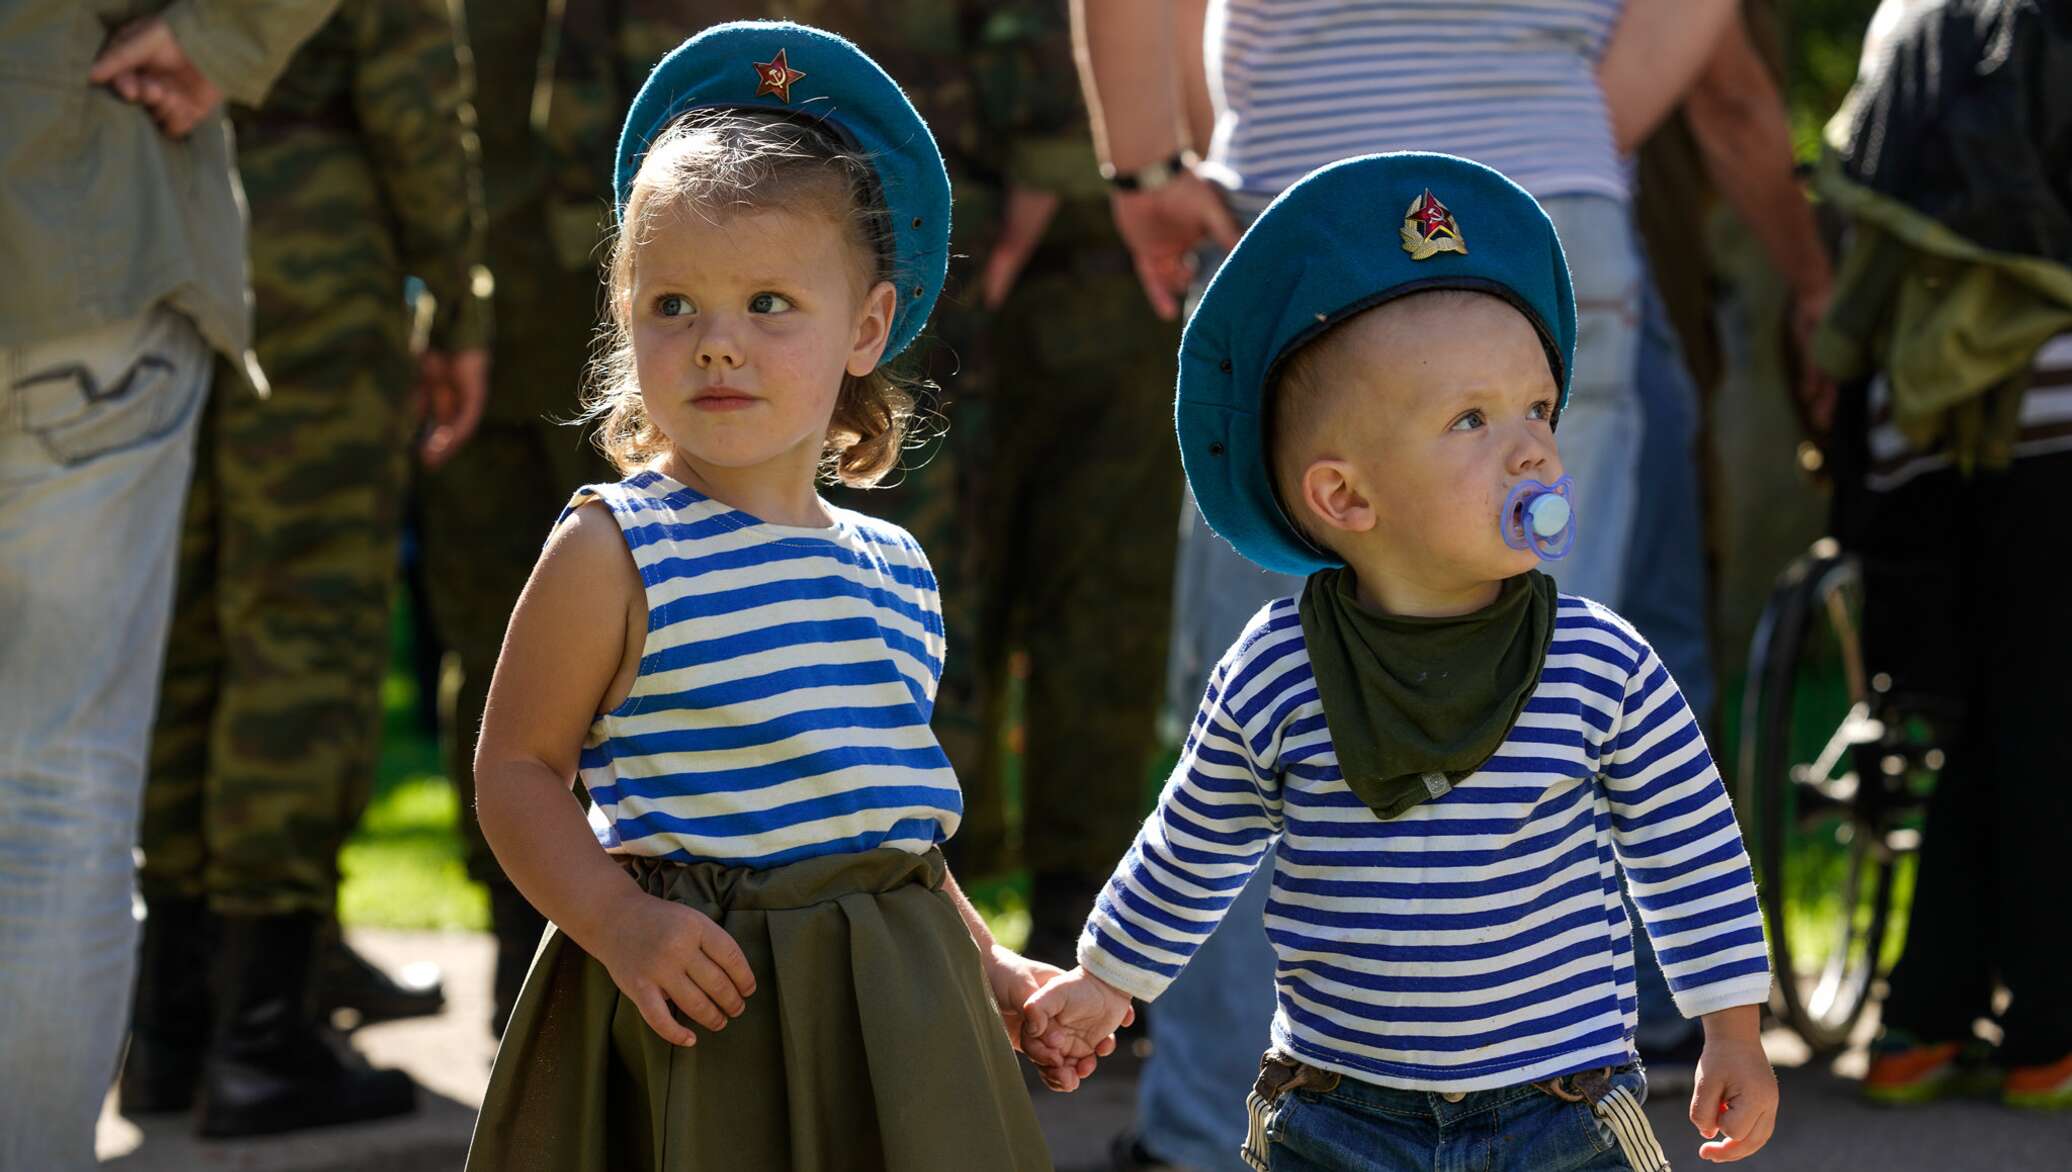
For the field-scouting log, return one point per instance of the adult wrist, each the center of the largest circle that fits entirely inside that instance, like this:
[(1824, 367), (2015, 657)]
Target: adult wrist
[(1151, 176)]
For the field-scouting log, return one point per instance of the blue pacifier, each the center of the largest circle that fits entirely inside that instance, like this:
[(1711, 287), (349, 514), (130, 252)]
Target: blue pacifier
[(1540, 517)]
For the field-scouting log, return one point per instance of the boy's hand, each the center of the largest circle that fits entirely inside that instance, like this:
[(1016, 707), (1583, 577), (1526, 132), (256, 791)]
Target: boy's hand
[(1736, 1092), (1071, 1019), (662, 954), (1015, 979)]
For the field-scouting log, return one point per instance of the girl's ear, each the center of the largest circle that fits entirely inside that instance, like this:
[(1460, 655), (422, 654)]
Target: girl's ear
[(1332, 494), (873, 328)]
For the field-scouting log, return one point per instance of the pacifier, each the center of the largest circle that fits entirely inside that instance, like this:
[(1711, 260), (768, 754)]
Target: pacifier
[(1540, 517)]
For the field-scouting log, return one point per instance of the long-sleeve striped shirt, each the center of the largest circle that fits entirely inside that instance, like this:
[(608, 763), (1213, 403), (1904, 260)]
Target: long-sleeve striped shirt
[(782, 705), (1479, 939)]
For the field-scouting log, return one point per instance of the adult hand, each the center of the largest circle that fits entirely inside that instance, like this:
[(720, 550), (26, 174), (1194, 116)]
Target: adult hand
[(1814, 388), (146, 66), (1162, 227), (454, 389), (1027, 217)]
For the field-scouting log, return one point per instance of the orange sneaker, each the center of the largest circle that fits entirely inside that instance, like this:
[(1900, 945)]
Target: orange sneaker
[(1904, 1070), (2039, 1088)]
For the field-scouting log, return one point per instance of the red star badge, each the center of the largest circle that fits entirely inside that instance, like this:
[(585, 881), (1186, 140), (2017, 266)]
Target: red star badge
[(776, 76), (1430, 229)]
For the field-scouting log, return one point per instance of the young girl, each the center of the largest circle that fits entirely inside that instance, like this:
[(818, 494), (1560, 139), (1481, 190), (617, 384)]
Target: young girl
[(765, 964)]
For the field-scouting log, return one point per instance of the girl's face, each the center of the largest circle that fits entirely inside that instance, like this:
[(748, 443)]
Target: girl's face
[(743, 327)]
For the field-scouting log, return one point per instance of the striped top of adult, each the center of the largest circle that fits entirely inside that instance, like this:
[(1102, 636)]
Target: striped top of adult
[(1477, 940), (781, 710), (1508, 83)]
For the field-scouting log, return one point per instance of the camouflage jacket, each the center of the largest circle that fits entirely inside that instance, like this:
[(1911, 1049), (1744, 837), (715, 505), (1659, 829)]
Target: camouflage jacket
[(993, 78), (392, 75)]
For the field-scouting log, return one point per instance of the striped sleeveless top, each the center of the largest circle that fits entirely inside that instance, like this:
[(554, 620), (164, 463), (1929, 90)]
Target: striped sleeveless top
[(782, 705)]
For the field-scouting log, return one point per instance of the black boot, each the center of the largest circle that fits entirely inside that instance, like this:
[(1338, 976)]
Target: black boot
[(270, 1068), (347, 980), (169, 1016), (518, 926)]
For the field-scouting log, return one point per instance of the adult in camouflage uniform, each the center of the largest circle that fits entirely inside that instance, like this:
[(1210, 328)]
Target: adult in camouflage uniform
[(1049, 506), (485, 513), (359, 170)]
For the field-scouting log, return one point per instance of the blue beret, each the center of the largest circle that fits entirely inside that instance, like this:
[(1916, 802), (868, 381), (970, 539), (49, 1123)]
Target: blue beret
[(1345, 238), (794, 69)]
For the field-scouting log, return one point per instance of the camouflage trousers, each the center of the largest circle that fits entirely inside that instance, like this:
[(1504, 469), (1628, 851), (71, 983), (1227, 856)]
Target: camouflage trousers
[(487, 512), (1049, 510), (1077, 515), (263, 753)]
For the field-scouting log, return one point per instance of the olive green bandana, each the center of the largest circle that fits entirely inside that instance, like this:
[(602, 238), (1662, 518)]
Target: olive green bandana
[(1414, 705)]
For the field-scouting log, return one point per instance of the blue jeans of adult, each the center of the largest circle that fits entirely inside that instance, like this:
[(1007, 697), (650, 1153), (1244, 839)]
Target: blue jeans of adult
[(1190, 1111), (1665, 592), (96, 449)]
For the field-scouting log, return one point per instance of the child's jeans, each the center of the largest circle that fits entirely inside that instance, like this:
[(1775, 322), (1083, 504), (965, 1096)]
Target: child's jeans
[(1336, 1124)]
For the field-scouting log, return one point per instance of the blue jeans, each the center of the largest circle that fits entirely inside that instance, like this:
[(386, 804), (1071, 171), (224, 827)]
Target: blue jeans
[(1361, 1127), (1665, 564), (1665, 594), (1212, 1023), (96, 447)]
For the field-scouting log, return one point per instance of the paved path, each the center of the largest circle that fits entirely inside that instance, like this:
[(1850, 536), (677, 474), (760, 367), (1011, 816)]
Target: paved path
[(1824, 1127)]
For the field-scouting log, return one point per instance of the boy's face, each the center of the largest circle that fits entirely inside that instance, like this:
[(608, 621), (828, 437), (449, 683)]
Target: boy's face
[(743, 328), (1451, 408)]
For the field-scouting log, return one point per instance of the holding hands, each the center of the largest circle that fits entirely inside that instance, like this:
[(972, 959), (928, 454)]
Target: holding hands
[(1069, 1023)]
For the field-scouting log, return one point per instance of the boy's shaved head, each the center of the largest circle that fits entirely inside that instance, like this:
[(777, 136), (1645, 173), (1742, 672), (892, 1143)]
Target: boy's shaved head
[(1321, 381)]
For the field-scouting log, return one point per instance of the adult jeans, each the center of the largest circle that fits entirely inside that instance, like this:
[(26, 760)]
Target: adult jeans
[(96, 448), (1665, 593)]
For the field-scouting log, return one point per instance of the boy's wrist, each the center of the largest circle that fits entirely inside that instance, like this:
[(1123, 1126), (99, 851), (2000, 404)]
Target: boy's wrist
[(1736, 1024)]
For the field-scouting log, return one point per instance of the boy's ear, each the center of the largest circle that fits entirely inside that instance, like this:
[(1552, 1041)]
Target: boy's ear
[(1332, 495), (873, 328)]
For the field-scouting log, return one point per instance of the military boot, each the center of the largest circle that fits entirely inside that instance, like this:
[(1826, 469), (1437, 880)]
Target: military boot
[(169, 1014), (270, 1068)]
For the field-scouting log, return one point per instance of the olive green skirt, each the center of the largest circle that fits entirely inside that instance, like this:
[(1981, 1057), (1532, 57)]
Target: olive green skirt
[(871, 1041)]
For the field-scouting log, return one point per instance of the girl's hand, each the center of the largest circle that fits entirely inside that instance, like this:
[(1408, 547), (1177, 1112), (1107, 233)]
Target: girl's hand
[(1736, 1094), (1068, 1022), (1015, 979), (662, 954)]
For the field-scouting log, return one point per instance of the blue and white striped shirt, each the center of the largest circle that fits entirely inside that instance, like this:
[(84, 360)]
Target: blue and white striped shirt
[(1511, 84), (1478, 940), (781, 710)]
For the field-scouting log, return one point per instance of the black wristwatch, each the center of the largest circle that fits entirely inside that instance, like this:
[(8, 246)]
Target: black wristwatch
[(1152, 177)]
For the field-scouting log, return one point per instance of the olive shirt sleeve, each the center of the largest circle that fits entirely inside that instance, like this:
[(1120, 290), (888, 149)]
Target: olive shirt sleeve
[(242, 45), (411, 93)]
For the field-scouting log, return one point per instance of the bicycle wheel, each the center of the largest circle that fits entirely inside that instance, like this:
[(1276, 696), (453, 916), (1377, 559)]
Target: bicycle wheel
[(1826, 841)]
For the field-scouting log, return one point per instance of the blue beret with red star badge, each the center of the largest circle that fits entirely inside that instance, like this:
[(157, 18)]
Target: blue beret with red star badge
[(800, 70), (1343, 239)]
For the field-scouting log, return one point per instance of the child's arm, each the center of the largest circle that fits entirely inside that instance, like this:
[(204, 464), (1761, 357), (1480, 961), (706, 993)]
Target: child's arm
[(1736, 1090), (1013, 980), (1680, 848), (570, 639), (1218, 813)]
